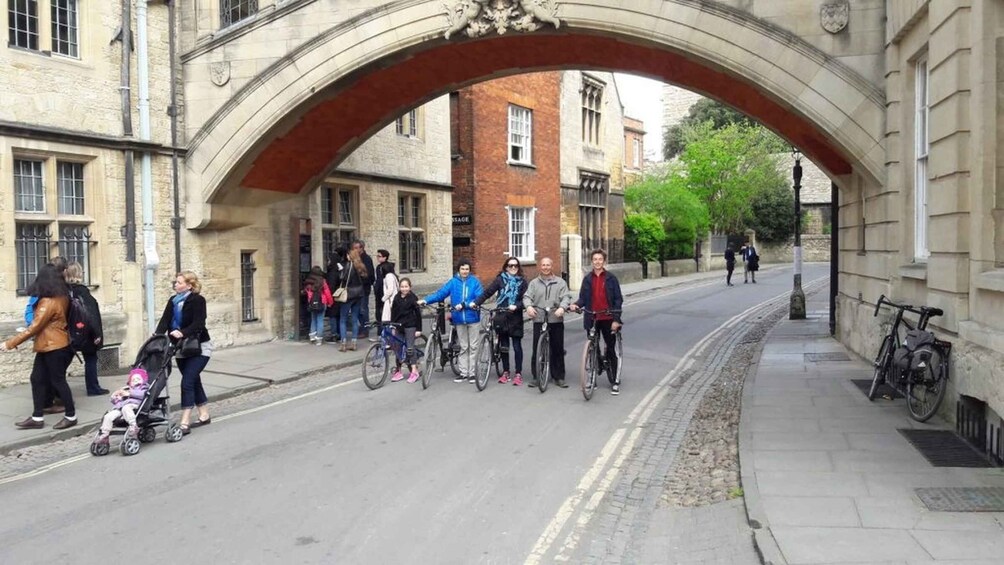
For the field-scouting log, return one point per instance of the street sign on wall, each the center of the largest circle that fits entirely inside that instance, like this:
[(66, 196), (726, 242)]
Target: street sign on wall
[(462, 219)]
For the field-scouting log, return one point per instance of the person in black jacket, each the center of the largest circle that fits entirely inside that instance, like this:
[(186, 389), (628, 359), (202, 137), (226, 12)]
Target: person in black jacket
[(334, 277), (364, 305), (730, 264), (601, 292), (184, 316), (74, 275), (353, 275), (405, 310), (510, 284)]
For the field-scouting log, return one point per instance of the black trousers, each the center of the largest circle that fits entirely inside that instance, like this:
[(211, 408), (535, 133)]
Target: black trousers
[(557, 343), (605, 327), (49, 372), (730, 267)]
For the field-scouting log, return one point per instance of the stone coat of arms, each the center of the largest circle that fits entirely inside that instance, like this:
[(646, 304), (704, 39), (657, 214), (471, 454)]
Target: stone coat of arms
[(477, 18), (833, 16), (219, 72)]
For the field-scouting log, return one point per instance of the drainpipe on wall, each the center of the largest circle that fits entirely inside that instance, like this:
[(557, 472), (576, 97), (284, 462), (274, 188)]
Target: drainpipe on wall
[(146, 166), (173, 113), (130, 172)]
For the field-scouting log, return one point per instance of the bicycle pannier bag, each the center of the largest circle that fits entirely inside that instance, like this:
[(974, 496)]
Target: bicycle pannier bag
[(916, 350)]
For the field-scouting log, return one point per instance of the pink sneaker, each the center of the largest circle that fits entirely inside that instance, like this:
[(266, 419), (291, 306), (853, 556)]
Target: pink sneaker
[(413, 377), (517, 380), (504, 379), (398, 375)]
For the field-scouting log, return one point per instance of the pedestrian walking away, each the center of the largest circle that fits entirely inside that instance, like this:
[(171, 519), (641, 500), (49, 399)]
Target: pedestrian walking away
[(319, 299), (51, 347), (406, 311), (364, 305), (548, 291), (353, 279), (333, 275), (730, 264), (601, 292), (461, 290), (510, 286), (184, 320)]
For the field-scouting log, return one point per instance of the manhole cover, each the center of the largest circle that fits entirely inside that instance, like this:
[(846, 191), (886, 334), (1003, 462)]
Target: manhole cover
[(884, 390), (943, 448), (963, 499), (833, 356)]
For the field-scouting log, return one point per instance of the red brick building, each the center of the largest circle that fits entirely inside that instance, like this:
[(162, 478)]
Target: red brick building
[(505, 148)]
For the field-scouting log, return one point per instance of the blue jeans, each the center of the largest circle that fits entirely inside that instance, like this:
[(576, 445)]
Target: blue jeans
[(317, 323), (364, 311), (192, 393), (350, 313)]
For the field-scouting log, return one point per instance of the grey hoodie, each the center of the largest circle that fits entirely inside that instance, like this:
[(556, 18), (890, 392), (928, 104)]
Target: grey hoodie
[(548, 293)]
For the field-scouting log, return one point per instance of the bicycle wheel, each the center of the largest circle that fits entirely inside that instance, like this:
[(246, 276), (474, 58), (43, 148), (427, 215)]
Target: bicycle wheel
[(542, 364), (619, 352), (484, 364), (375, 366), (497, 355), (590, 368), (881, 363), (926, 387), (454, 353), (432, 354)]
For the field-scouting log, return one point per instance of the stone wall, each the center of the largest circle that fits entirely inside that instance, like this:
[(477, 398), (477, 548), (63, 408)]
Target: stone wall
[(815, 248), (678, 267)]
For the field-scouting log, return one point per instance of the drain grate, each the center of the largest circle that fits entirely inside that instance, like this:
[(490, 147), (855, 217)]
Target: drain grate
[(884, 390), (943, 448), (829, 356), (962, 499)]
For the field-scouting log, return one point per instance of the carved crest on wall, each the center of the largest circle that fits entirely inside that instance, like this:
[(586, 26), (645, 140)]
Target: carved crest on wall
[(833, 16), (219, 72), (477, 18)]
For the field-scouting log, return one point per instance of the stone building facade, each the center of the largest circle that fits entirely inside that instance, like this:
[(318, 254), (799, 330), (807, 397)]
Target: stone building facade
[(505, 171), (592, 162), (634, 149)]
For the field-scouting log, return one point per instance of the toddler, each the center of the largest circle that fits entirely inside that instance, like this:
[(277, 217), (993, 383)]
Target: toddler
[(125, 401)]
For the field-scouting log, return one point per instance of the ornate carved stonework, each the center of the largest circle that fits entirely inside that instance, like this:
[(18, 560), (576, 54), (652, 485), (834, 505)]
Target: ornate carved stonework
[(477, 18), (833, 16), (219, 73)]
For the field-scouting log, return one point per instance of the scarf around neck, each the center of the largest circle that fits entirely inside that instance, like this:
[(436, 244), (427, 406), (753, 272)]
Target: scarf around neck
[(178, 301), (510, 288)]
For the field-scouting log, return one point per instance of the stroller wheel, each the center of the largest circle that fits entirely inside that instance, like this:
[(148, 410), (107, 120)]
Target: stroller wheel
[(173, 433), (129, 446), (99, 449), (147, 435)]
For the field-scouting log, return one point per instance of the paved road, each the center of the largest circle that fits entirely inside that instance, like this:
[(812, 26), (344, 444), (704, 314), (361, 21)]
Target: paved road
[(347, 475)]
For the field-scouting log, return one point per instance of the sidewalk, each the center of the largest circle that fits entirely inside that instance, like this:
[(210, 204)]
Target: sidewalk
[(829, 479), (232, 371)]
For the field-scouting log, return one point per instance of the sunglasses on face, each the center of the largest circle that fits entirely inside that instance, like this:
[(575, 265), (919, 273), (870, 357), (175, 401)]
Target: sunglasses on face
[(512, 266)]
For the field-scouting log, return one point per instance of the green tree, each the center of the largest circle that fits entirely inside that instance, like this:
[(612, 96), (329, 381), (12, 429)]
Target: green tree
[(682, 214), (773, 213), (644, 236), (725, 168), (674, 138)]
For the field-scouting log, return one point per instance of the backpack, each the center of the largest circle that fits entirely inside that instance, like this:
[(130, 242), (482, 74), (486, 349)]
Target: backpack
[(80, 324), (316, 304)]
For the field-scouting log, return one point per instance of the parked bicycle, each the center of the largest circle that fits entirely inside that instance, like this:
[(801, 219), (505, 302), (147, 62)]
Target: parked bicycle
[(595, 362), (542, 363), (912, 361), (490, 350), (437, 354), (376, 363)]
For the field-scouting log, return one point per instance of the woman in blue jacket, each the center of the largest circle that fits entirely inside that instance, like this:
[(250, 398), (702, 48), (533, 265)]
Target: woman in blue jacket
[(462, 289)]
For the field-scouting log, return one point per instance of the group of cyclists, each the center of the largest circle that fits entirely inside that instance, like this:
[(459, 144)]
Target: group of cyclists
[(600, 299)]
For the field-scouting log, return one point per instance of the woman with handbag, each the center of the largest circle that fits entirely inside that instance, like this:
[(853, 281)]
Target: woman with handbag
[(185, 318), (350, 294)]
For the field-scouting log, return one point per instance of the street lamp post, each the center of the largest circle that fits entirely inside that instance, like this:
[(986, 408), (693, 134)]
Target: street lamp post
[(797, 307)]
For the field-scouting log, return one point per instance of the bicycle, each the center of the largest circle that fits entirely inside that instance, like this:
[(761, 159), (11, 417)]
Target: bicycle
[(489, 351), (436, 352), (924, 386), (376, 363), (594, 363), (542, 363)]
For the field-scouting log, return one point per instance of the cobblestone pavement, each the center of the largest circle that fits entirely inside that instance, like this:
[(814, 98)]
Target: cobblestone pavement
[(686, 457)]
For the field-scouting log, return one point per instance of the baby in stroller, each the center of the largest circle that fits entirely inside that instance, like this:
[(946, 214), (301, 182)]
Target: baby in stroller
[(125, 402)]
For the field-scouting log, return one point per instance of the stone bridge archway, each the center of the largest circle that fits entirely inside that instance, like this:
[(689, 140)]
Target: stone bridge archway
[(281, 131)]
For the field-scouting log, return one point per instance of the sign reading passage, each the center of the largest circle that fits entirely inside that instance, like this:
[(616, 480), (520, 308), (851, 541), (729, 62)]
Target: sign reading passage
[(462, 219)]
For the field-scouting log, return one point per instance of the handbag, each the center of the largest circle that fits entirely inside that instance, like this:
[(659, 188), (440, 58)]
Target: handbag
[(340, 295), (189, 347)]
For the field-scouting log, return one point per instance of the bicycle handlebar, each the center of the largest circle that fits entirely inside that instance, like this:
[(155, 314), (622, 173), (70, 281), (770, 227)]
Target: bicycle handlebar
[(921, 310)]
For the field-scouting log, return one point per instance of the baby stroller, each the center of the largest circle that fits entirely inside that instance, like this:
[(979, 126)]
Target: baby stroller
[(155, 410)]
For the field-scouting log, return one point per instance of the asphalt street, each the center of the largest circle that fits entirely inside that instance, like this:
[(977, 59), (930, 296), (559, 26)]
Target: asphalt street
[(398, 475)]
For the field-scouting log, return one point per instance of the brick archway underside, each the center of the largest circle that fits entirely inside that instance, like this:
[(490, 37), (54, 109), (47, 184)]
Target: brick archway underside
[(343, 116)]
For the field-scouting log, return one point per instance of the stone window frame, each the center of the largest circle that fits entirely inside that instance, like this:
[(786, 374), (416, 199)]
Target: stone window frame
[(594, 188), (520, 135), (591, 102), (411, 229), (522, 233), (249, 313), (61, 14), (336, 228), (234, 12), (410, 124), (26, 12), (921, 147), (35, 225)]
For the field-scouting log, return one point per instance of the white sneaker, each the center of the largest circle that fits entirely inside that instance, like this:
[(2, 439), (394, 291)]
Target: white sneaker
[(459, 379)]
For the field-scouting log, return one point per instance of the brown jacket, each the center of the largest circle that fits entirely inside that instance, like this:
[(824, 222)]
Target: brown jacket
[(48, 328)]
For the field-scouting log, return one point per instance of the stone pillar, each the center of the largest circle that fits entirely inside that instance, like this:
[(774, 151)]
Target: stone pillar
[(572, 244)]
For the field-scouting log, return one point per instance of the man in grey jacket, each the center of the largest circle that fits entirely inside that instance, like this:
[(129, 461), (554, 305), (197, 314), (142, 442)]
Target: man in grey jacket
[(548, 291)]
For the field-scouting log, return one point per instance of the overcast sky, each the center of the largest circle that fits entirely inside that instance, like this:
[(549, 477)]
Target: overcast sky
[(641, 99)]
